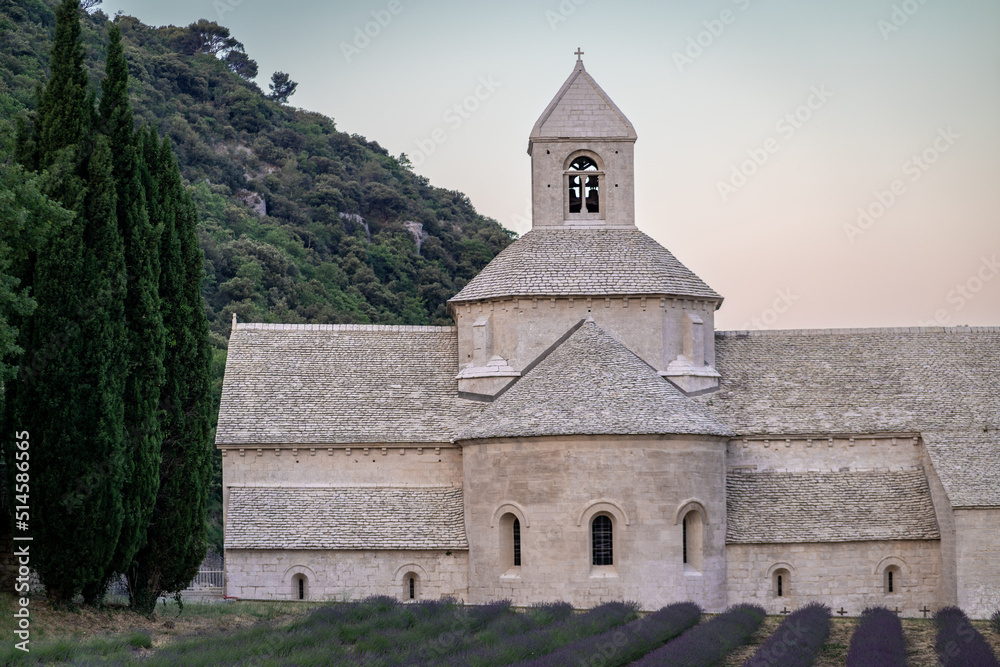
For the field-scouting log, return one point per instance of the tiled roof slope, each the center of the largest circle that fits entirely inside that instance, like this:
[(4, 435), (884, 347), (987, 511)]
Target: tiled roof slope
[(345, 518), (328, 384), (584, 262), (941, 382), (968, 464), (591, 385), (776, 507), (582, 109)]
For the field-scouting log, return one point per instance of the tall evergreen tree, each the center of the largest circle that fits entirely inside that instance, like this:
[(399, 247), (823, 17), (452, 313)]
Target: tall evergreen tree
[(27, 218), (176, 540), (68, 393), (65, 109), (142, 315)]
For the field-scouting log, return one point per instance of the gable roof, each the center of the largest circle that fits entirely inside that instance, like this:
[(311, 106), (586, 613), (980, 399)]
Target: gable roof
[(591, 385), (941, 382), (784, 507), (584, 262), (581, 109), (339, 383), (345, 518)]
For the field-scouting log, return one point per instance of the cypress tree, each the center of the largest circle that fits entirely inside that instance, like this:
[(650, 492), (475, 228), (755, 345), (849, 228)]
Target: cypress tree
[(68, 393), (145, 333), (65, 109), (176, 540)]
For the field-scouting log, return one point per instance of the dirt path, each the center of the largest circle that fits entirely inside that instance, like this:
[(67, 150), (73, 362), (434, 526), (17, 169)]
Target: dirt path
[(834, 650), (766, 629)]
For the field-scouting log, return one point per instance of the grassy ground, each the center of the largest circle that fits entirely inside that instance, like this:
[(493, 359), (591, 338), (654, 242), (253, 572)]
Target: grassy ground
[(109, 631)]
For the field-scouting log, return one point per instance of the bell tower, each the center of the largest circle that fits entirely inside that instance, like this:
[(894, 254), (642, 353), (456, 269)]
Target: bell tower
[(584, 257), (581, 150)]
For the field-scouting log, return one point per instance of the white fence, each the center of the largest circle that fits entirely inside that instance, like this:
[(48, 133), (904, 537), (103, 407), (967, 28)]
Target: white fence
[(210, 582)]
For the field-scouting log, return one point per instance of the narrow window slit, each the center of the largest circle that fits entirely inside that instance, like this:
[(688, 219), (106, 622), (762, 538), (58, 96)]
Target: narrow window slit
[(517, 543)]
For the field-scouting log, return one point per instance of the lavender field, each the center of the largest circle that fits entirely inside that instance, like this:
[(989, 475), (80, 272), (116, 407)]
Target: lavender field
[(383, 632)]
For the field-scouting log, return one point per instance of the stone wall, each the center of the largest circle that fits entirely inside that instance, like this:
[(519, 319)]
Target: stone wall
[(946, 525), (521, 329), (802, 454), (977, 542), (345, 575), (556, 485), (366, 465), (848, 575), (548, 183)]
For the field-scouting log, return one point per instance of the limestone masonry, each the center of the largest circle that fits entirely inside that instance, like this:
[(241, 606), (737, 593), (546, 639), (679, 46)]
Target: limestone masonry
[(584, 434)]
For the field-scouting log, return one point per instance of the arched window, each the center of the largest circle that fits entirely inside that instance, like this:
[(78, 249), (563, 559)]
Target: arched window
[(692, 528), (891, 580), (300, 587), (510, 543), (602, 540), (584, 186), (782, 584), (411, 586)]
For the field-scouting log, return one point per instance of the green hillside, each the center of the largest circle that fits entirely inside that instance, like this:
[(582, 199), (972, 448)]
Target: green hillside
[(300, 222)]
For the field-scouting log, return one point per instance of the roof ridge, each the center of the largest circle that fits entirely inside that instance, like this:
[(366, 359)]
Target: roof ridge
[(738, 333), (408, 328)]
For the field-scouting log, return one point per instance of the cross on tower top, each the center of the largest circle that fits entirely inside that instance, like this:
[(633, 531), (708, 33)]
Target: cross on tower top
[(578, 53)]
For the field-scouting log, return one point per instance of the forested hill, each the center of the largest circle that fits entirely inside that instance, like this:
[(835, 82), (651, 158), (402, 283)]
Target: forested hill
[(299, 222)]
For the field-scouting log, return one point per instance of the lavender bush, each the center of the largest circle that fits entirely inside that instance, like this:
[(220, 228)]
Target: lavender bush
[(471, 627), (507, 650), (707, 644), (625, 644), (797, 640), (878, 640), (958, 643), (995, 622)]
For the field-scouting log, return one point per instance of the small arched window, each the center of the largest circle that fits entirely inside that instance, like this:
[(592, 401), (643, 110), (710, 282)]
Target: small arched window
[(891, 580), (782, 584), (584, 186), (412, 583), (300, 587), (692, 528), (602, 540), (510, 543)]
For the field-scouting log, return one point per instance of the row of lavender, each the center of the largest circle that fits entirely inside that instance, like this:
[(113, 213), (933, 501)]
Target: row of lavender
[(878, 640), (382, 632)]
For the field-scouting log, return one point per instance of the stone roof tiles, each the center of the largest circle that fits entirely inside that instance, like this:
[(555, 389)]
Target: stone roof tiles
[(784, 507), (591, 385), (584, 262), (582, 109), (328, 384), (968, 465), (345, 518), (941, 382)]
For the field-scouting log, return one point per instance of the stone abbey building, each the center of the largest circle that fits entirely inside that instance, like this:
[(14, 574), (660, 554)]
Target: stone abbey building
[(583, 433)]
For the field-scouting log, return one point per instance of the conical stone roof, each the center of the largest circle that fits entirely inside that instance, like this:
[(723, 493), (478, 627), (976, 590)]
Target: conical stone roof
[(591, 385), (585, 262)]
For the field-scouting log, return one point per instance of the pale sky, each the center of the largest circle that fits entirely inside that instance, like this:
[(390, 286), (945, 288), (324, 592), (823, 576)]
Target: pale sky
[(764, 127)]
